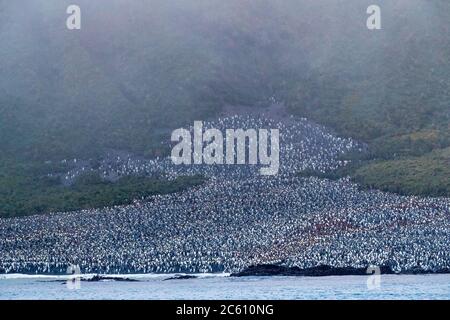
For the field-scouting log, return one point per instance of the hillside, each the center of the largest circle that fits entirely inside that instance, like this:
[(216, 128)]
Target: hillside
[(135, 71)]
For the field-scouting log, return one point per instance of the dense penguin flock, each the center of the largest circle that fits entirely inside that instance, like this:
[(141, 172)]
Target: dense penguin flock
[(238, 218)]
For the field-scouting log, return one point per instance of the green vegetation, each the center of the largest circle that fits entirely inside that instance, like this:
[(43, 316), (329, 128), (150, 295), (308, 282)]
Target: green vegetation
[(426, 175), (24, 192), (399, 105)]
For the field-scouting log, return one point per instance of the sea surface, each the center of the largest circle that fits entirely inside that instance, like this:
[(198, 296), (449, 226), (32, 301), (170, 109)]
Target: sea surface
[(220, 286)]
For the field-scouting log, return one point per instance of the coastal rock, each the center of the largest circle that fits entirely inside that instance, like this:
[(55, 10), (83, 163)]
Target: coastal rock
[(319, 271), (98, 278), (181, 277)]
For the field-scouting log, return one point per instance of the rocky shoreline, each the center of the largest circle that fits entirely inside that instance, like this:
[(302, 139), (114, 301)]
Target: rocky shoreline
[(324, 270), (270, 270)]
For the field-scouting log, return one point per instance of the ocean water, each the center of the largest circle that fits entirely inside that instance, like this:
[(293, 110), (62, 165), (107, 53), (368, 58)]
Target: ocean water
[(223, 287)]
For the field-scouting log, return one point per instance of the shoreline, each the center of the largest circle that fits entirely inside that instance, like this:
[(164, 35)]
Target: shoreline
[(325, 270), (266, 270)]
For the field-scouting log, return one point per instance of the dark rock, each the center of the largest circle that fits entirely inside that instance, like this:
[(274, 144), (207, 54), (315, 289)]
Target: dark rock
[(319, 271), (98, 278), (180, 277)]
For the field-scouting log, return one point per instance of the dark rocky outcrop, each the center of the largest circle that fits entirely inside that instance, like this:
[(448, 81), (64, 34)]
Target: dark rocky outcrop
[(324, 270), (180, 277), (98, 278)]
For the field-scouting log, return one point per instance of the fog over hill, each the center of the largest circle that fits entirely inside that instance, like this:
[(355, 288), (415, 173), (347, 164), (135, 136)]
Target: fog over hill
[(136, 67)]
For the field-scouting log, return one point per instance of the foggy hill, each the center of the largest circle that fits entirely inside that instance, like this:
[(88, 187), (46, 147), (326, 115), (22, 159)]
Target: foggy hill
[(138, 69)]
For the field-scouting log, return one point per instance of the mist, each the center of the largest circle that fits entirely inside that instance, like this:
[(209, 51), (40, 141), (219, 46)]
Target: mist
[(155, 65)]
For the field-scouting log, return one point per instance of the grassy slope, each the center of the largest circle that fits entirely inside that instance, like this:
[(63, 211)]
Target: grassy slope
[(399, 107), (26, 191), (425, 175)]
